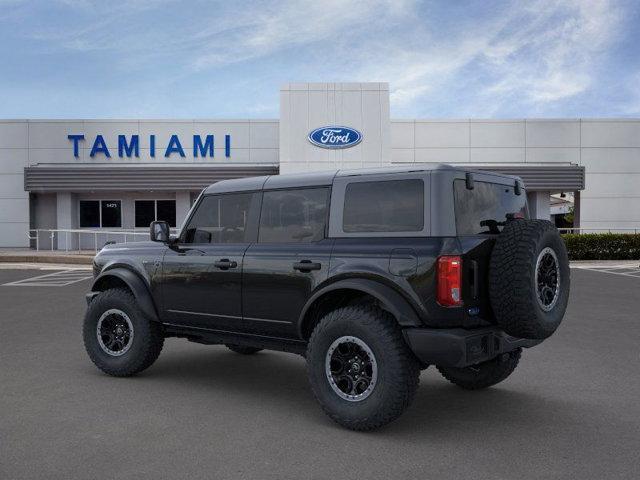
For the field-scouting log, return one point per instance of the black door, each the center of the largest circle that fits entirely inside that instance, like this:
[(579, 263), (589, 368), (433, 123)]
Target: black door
[(202, 272), (290, 259)]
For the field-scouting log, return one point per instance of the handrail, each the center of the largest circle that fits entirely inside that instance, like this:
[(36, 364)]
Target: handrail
[(52, 233), (88, 230), (124, 234)]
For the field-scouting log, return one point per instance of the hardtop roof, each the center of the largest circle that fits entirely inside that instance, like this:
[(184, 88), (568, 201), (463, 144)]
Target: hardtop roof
[(325, 178)]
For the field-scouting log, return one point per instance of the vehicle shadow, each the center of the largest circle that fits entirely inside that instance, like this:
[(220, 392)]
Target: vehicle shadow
[(278, 381), (267, 376)]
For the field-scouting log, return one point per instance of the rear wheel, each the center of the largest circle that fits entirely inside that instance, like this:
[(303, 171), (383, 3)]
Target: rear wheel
[(485, 374), (360, 369), (242, 349), (119, 339)]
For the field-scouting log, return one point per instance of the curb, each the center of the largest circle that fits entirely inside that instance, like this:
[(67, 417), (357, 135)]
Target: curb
[(61, 259)]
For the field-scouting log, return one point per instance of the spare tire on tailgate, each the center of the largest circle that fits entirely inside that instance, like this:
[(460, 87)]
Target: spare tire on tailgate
[(529, 278)]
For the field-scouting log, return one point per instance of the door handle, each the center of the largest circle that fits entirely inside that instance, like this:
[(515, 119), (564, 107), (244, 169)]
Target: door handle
[(225, 264), (306, 266)]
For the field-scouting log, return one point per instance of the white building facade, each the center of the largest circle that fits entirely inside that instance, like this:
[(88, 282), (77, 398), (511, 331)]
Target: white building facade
[(117, 175)]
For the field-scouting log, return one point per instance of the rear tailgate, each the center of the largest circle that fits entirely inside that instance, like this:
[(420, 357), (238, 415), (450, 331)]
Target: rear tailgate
[(475, 279)]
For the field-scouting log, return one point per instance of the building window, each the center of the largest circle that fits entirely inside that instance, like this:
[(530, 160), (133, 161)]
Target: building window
[(90, 214), (166, 210), (111, 212), (146, 211), (100, 213)]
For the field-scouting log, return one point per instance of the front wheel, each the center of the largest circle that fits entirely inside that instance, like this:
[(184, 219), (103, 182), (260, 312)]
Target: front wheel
[(485, 374), (361, 371), (120, 340)]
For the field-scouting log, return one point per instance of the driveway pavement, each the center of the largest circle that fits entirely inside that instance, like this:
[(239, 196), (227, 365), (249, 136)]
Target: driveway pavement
[(571, 410)]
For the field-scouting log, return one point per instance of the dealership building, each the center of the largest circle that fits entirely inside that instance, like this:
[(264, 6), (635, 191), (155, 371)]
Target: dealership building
[(118, 175)]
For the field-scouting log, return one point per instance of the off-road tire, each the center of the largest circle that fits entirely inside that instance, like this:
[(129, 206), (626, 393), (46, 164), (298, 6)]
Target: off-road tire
[(512, 279), (398, 369), (147, 342), (241, 349), (484, 374)]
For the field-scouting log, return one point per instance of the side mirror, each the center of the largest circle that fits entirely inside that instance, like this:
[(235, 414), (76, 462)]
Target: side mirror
[(159, 231)]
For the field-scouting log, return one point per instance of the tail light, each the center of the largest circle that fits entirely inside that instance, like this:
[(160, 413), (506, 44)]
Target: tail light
[(449, 281)]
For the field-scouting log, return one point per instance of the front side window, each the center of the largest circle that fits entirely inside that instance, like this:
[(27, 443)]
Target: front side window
[(384, 206), (298, 215), (220, 219), (100, 213), (486, 207)]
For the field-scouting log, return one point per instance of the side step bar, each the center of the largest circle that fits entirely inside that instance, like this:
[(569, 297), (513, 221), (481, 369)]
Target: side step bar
[(215, 337)]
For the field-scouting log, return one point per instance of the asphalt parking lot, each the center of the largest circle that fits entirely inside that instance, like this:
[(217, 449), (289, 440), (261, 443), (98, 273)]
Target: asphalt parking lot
[(571, 409)]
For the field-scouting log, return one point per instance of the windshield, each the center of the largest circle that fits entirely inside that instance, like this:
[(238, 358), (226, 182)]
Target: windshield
[(486, 208)]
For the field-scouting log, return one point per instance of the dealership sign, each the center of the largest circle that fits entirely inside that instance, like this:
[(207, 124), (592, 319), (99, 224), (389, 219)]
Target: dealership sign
[(335, 137), (129, 146)]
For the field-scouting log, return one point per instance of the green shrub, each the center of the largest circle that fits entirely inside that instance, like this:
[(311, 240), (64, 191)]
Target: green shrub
[(603, 246)]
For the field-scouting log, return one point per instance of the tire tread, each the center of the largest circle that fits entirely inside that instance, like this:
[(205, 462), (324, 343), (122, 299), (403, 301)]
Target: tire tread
[(152, 344), (406, 368), (511, 290)]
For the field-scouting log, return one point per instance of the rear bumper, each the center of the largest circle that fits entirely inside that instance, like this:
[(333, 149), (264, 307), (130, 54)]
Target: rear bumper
[(457, 347)]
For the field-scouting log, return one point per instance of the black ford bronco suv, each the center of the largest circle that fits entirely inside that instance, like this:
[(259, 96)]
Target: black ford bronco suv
[(371, 275)]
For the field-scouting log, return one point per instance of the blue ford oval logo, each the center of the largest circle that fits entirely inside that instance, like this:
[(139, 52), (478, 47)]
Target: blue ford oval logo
[(335, 137)]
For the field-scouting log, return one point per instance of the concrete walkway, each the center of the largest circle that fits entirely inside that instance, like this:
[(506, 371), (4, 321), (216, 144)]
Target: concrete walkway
[(605, 263), (27, 255)]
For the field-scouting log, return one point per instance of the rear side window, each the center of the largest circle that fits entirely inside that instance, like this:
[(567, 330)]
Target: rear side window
[(221, 219), (485, 208), (296, 216), (384, 206)]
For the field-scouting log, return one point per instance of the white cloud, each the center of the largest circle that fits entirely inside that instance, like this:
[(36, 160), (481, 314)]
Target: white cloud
[(533, 53), (552, 57), (218, 33), (543, 53), (288, 24)]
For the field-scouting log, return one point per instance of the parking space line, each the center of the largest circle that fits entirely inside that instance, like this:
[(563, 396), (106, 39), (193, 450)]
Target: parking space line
[(55, 279), (72, 276), (621, 270)]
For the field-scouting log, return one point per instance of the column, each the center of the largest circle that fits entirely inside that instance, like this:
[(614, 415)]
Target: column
[(183, 204), (307, 106), (539, 204), (67, 218)]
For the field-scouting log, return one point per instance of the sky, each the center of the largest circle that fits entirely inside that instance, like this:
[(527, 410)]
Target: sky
[(228, 59)]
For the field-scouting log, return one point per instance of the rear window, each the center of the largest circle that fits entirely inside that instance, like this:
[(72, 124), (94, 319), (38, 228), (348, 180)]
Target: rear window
[(385, 206), (485, 208)]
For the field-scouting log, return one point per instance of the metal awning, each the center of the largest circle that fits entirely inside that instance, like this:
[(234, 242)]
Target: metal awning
[(40, 178), (563, 177)]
